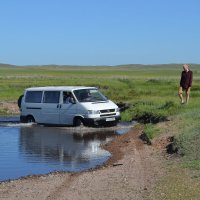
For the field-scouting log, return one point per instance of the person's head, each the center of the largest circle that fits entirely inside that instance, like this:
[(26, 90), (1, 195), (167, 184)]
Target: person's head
[(185, 67)]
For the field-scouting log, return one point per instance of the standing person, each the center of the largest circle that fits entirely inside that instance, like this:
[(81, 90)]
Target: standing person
[(185, 83)]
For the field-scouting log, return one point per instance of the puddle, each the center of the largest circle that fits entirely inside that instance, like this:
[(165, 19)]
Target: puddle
[(27, 149)]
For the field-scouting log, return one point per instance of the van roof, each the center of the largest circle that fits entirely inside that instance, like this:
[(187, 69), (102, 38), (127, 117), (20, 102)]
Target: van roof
[(47, 88)]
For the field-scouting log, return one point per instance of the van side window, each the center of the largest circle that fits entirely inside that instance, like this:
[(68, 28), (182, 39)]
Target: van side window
[(68, 97), (51, 97), (33, 97)]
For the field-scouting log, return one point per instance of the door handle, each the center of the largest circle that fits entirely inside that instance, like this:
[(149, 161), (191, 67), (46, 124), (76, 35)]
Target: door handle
[(59, 106)]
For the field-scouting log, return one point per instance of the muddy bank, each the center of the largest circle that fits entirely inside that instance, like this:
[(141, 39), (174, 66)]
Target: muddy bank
[(130, 173)]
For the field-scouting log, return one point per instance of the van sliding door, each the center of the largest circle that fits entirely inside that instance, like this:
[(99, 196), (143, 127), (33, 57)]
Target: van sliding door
[(51, 107)]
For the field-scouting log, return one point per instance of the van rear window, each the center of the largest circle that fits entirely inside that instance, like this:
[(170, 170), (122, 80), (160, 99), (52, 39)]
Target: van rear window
[(33, 97)]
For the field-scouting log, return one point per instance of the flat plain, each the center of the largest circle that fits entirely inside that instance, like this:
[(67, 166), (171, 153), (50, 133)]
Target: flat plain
[(150, 91)]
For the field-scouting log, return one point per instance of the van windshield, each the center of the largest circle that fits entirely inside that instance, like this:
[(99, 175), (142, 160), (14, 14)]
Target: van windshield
[(89, 95)]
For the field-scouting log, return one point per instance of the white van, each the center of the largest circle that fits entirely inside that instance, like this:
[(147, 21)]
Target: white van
[(64, 105)]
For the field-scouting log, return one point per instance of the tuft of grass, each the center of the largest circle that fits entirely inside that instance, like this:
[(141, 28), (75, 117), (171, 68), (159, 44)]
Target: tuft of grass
[(151, 130), (194, 164), (149, 111), (187, 138)]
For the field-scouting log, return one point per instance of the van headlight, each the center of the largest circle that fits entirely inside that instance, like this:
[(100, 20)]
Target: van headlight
[(93, 112), (117, 109)]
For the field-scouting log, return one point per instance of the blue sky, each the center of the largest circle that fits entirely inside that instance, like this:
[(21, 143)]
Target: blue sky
[(99, 32)]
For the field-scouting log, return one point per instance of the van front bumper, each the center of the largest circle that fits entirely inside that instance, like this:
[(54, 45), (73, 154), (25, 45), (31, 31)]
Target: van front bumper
[(102, 121)]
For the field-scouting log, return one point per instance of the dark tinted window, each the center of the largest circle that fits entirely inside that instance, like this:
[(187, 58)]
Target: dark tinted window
[(51, 97), (33, 96)]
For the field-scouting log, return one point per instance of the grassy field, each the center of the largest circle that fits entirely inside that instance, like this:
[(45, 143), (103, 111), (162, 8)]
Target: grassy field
[(150, 91)]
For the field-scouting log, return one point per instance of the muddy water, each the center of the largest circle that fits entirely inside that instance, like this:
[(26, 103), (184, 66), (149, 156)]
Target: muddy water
[(27, 149)]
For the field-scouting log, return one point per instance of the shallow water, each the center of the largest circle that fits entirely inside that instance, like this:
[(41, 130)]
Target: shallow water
[(27, 149)]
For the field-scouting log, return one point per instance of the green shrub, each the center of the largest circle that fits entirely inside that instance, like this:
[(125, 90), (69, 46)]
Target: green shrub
[(149, 112), (188, 145)]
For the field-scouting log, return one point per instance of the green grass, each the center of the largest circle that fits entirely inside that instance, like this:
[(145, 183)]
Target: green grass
[(151, 131), (151, 92), (188, 138), (179, 184), (150, 111)]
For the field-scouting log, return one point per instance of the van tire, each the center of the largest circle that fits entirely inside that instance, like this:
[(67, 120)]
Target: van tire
[(78, 122), (30, 119), (19, 101)]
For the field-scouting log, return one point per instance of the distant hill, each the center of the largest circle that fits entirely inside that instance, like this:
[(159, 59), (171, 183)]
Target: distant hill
[(125, 66), (6, 65)]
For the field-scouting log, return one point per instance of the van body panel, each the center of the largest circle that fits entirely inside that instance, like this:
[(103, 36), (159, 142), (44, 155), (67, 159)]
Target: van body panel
[(31, 109), (67, 113), (50, 113), (100, 105)]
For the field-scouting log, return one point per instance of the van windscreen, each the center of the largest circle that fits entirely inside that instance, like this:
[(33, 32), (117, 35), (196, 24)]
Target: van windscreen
[(89, 95)]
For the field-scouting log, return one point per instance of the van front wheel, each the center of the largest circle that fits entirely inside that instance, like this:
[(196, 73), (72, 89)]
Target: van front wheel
[(78, 122)]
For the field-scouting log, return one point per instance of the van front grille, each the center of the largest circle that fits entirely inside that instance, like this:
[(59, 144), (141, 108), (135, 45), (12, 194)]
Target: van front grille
[(107, 111), (108, 115)]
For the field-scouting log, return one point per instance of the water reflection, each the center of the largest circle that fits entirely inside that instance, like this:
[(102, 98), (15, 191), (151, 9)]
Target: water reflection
[(51, 144), (39, 150), (27, 149)]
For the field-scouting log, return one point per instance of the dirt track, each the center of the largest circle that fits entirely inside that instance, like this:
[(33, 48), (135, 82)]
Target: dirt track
[(130, 174)]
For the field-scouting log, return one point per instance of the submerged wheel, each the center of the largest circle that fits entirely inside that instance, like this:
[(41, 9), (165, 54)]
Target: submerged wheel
[(78, 121), (30, 119)]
